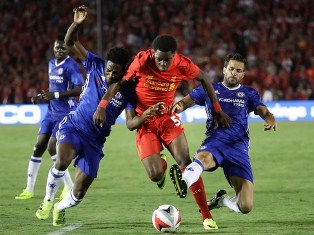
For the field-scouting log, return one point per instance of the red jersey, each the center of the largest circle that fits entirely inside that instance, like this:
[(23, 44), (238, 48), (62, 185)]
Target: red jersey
[(152, 85)]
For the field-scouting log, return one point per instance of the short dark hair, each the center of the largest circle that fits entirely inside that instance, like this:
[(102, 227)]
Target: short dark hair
[(235, 56), (119, 55), (60, 37), (165, 43)]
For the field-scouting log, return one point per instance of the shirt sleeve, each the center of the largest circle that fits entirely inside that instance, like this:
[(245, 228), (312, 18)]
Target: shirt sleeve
[(75, 74), (255, 100), (188, 68), (198, 95)]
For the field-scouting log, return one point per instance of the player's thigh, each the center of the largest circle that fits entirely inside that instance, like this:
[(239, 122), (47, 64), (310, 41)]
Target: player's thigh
[(180, 150), (147, 143), (65, 154)]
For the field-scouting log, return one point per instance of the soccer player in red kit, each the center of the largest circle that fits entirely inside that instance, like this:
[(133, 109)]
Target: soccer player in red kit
[(157, 73)]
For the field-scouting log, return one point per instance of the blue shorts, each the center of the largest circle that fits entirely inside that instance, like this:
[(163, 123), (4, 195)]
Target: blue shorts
[(88, 152), (49, 126), (233, 158)]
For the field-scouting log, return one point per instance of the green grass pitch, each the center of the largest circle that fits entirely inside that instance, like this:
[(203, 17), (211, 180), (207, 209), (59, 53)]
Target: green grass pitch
[(122, 198)]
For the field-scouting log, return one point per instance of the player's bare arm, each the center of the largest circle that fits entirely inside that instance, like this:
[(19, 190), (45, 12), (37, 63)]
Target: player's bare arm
[(133, 121), (182, 105), (47, 95), (71, 37), (270, 121), (221, 118)]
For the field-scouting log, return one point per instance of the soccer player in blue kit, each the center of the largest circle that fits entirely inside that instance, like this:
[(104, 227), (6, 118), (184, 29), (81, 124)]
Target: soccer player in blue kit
[(65, 83), (79, 137), (226, 147)]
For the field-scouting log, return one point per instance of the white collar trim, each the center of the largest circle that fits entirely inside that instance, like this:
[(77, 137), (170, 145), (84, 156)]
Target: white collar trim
[(234, 88), (61, 61)]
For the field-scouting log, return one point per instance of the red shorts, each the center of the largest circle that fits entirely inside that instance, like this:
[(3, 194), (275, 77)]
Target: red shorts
[(157, 131)]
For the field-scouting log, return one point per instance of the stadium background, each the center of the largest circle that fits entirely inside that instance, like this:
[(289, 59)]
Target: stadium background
[(276, 37)]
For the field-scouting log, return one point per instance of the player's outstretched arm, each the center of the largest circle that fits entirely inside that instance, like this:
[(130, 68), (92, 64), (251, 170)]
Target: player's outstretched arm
[(133, 121), (71, 37), (183, 104), (48, 95), (222, 118), (270, 121)]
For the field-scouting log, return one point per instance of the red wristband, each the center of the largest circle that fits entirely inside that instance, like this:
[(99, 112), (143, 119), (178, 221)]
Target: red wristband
[(216, 107), (103, 104)]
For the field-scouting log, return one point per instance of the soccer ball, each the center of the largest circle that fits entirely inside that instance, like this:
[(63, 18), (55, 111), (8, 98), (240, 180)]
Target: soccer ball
[(166, 218)]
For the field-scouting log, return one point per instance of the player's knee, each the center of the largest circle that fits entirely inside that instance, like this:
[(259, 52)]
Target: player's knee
[(155, 176), (207, 160), (51, 150), (39, 149), (246, 208), (183, 161), (62, 164)]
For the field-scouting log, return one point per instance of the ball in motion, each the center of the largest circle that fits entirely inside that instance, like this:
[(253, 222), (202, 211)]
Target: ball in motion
[(166, 218)]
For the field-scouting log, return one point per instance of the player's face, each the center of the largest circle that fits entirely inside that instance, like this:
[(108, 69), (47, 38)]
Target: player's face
[(163, 59), (60, 50), (233, 73), (113, 72)]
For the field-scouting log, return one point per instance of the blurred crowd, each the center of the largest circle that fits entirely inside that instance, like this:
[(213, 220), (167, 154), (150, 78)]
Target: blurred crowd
[(276, 37)]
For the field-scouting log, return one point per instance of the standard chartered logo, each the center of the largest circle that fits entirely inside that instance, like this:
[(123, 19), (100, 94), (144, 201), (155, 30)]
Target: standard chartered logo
[(22, 114)]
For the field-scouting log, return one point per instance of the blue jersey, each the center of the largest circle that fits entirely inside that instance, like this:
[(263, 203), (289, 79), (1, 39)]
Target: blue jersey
[(63, 77), (93, 90), (237, 103)]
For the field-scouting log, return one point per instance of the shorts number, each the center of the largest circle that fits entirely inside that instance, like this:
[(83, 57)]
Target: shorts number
[(176, 120)]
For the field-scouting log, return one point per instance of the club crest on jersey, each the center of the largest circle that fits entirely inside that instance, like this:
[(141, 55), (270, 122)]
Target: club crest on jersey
[(60, 71), (104, 88), (240, 94), (189, 169), (118, 95), (217, 92)]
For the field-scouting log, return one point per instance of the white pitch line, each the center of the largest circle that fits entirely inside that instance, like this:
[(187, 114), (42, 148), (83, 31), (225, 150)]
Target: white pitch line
[(65, 229)]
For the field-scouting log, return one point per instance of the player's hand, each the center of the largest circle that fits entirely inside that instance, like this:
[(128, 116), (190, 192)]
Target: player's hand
[(99, 116), (80, 14), (222, 120), (47, 95), (36, 98), (176, 108), (271, 123), (156, 109)]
